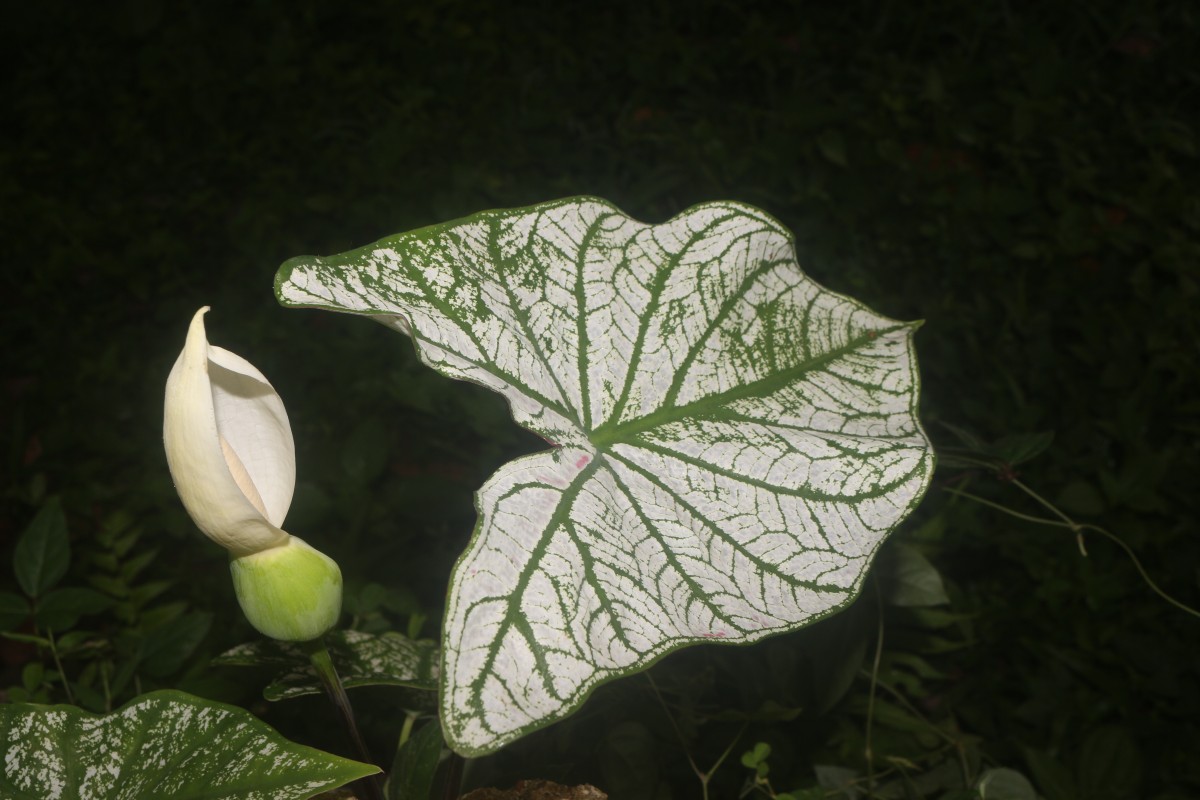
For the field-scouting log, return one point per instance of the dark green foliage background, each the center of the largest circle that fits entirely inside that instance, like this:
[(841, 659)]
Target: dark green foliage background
[(1021, 176)]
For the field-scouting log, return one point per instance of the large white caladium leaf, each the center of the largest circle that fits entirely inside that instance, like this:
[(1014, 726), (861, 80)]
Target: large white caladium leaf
[(732, 442)]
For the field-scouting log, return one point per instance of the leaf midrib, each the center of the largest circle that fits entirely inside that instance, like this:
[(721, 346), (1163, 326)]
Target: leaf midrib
[(617, 432)]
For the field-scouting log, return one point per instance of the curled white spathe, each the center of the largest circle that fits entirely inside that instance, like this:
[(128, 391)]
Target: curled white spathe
[(229, 446)]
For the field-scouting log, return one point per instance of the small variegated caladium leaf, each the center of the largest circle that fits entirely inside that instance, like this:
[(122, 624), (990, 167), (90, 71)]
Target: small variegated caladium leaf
[(162, 744), (361, 659), (732, 442)]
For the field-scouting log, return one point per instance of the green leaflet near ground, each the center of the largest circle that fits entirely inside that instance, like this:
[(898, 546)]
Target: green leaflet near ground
[(732, 442), (163, 744)]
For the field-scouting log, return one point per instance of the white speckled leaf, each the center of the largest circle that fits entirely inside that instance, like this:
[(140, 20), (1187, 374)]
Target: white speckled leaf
[(361, 659), (733, 442), (163, 744)]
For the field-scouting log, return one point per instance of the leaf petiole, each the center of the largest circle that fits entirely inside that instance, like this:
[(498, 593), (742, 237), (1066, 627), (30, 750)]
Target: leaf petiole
[(58, 663), (318, 655)]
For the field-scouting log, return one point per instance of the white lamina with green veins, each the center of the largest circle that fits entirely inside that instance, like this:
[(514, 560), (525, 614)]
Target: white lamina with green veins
[(162, 744), (734, 442)]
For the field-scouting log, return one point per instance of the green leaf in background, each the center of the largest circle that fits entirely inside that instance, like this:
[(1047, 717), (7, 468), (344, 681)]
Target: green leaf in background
[(61, 608), (768, 711), (833, 147), (416, 763), (1110, 765), (841, 783), (628, 760), (14, 610), (163, 744), (1004, 784), (366, 451), (756, 759), (168, 646), (834, 654), (1080, 497), (1021, 447), (910, 580), (1004, 453), (362, 659), (1053, 779), (41, 641), (731, 442), (43, 553)]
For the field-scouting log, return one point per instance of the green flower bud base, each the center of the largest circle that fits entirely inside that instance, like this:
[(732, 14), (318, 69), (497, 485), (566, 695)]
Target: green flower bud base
[(292, 592)]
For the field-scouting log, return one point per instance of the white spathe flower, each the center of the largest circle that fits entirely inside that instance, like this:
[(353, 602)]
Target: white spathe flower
[(229, 446), (230, 451)]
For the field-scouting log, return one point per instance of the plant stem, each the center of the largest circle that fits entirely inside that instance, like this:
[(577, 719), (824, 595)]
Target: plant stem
[(682, 741), (956, 744), (703, 776), (452, 784), (318, 655), (868, 751), (58, 663), (104, 667), (1054, 510), (728, 749), (1078, 529)]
